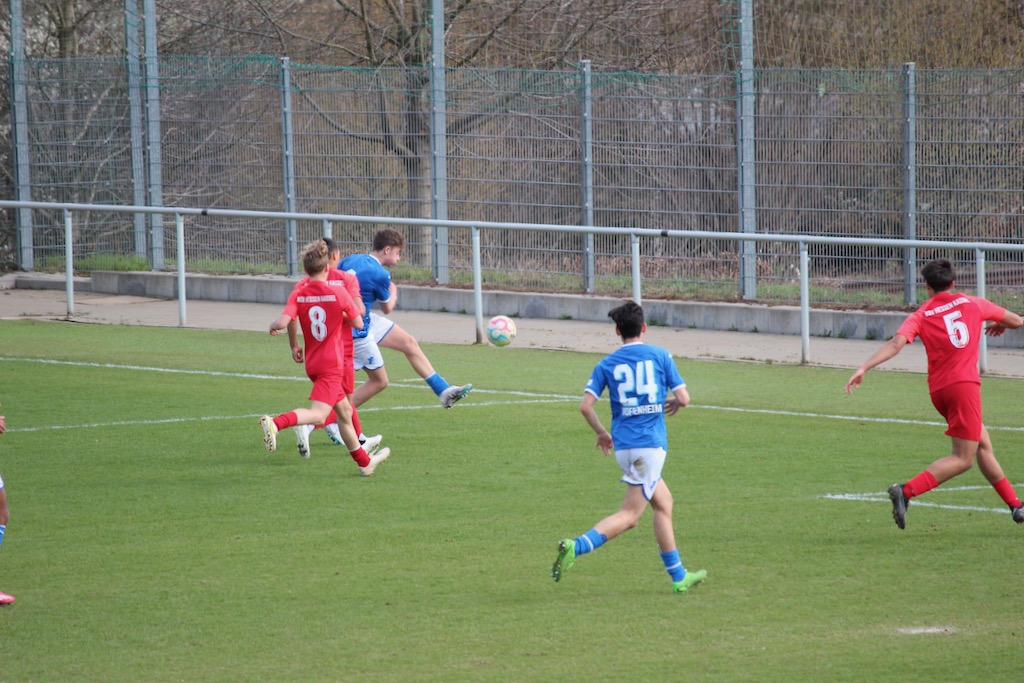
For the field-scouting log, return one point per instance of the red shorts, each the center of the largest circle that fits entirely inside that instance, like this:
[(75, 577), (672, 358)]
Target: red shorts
[(329, 388), (960, 404)]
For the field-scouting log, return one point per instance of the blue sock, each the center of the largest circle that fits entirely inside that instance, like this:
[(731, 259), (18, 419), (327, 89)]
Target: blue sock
[(437, 383), (673, 565), (592, 540), (3, 528)]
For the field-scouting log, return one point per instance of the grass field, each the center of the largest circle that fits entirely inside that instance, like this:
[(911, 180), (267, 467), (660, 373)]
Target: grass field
[(152, 538)]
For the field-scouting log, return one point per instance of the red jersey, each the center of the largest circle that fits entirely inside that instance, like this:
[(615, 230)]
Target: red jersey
[(341, 280), (950, 326), (323, 312)]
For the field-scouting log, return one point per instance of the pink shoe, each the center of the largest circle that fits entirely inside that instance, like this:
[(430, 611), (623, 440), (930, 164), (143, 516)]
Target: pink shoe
[(6, 599)]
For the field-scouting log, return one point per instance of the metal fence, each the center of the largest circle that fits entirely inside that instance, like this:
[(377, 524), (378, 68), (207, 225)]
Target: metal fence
[(930, 155)]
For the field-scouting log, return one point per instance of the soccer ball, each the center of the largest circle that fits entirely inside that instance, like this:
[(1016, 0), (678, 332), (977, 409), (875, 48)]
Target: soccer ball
[(501, 330)]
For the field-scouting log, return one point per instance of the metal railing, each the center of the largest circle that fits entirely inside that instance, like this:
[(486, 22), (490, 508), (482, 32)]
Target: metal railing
[(980, 249)]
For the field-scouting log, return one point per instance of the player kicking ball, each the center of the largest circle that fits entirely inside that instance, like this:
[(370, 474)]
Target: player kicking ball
[(638, 377)]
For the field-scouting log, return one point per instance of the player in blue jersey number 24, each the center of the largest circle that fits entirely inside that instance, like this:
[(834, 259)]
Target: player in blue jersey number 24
[(639, 378)]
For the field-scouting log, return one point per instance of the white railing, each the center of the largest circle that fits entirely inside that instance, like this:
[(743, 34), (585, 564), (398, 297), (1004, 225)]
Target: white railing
[(980, 248)]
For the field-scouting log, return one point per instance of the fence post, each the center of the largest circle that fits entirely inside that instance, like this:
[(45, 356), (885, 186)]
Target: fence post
[(288, 162), (179, 231), (69, 264), (438, 143), (19, 130), (634, 243), (747, 169), (478, 294), (979, 269), (133, 70), (153, 136), (805, 305), (587, 168), (909, 185)]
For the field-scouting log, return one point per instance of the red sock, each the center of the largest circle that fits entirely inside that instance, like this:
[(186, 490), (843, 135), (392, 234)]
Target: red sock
[(922, 483), (360, 456), (1005, 490), (331, 417), (355, 422), (286, 420)]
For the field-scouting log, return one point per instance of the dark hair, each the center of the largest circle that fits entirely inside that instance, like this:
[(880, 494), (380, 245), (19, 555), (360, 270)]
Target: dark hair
[(388, 237), (332, 246), (315, 257), (629, 318), (938, 274)]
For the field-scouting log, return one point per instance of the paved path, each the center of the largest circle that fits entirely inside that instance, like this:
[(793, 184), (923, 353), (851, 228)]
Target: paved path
[(451, 328)]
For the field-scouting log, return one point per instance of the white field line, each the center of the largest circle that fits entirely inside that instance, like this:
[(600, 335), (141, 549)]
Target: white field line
[(532, 397), (883, 497)]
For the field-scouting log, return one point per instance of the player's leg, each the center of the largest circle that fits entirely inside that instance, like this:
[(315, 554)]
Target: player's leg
[(367, 463), (960, 404), (993, 472), (398, 339), (315, 414), (633, 505), (664, 532), (376, 382), (367, 357)]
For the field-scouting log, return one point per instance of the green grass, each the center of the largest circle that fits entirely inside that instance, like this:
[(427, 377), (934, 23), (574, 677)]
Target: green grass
[(152, 538)]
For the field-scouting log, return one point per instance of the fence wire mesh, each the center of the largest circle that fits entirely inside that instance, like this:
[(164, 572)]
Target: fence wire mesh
[(660, 152)]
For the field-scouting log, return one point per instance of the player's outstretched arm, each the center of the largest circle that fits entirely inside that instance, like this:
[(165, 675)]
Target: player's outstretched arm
[(884, 353)]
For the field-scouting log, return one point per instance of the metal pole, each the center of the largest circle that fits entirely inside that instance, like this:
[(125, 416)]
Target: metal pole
[(288, 160), (438, 142), (153, 135), (179, 231), (133, 70), (805, 306), (909, 186), (328, 228), (979, 269), (747, 167), (634, 242), (19, 131), (69, 264), (587, 163), (478, 293)]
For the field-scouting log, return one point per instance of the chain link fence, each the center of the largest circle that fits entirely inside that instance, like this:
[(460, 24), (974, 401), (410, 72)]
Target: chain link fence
[(836, 154)]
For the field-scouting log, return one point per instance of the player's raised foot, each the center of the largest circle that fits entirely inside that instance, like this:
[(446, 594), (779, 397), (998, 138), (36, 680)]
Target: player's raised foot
[(899, 505), (335, 434), (269, 433), (691, 579), (1018, 514), (566, 558), (302, 433), (370, 444), (6, 599), (454, 394), (375, 459)]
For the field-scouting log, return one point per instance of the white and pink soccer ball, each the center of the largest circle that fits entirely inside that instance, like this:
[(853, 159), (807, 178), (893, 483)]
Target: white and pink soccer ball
[(501, 330)]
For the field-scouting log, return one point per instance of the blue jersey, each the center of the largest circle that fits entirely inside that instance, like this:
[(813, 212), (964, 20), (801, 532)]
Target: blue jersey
[(374, 284), (639, 378)]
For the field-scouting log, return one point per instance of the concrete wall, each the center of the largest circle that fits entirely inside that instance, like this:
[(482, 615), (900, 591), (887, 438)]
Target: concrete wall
[(693, 314)]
